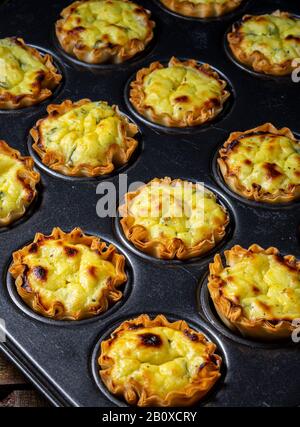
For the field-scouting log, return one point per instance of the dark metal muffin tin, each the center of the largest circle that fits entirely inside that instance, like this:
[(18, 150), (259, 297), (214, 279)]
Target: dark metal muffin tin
[(60, 357)]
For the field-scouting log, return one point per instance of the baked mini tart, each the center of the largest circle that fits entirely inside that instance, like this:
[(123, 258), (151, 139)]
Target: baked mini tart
[(158, 363), (173, 219), (257, 291), (98, 31), (201, 8), (181, 94), (267, 43), (18, 183), (262, 164), (26, 77), (68, 276), (84, 138)]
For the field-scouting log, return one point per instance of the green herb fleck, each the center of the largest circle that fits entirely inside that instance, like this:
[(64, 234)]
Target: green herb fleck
[(70, 161), (52, 131)]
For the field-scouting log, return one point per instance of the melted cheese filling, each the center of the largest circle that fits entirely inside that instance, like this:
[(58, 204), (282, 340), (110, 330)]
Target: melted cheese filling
[(170, 366), (272, 36), (12, 192), (271, 161), (107, 21), (177, 90), (84, 134), (264, 287), (72, 274), (180, 211), (18, 68)]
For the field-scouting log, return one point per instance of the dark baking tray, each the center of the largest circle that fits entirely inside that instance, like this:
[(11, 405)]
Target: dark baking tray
[(59, 357)]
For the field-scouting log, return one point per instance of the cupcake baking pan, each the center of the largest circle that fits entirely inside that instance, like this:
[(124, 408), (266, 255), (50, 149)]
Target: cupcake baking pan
[(60, 357)]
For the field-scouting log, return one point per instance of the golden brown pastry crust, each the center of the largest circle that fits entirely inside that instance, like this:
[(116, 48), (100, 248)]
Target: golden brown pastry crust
[(70, 41), (232, 314), (29, 178), (135, 393), (56, 310), (256, 193), (201, 10), (116, 156), (170, 248), (257, 60), (42, 87), (193, 118)]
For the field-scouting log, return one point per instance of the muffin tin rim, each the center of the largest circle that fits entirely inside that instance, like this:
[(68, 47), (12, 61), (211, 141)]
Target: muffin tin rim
[(103, 67), (133, 160), (212, 19), (220, 182), (127, 289), (198, 325), (60, 66), (199, 260), (226, 111), (205, 306), (286, 79)]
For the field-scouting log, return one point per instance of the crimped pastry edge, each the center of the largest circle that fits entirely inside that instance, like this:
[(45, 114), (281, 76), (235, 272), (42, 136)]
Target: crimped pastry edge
[(232, 314), (57, 310), (115, 54), (50, 81), (135, 394), (256, 194), (257, 60), (175, 249), (203, 115), (201, 10), (116, 155), (29, 180)]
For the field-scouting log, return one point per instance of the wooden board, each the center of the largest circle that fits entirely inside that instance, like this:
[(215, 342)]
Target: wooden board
[(15, 391), (9, 374), (23, 398)]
